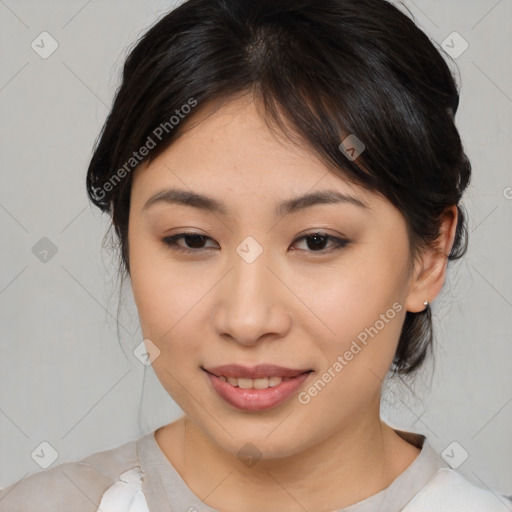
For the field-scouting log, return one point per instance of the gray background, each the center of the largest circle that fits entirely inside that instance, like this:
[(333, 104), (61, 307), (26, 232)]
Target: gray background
[(67, 380)]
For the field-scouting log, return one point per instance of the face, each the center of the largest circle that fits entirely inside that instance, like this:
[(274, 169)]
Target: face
[(251, 282)]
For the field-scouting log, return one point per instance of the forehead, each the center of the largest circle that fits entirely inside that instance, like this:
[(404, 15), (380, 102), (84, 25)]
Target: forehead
[(229, 152)]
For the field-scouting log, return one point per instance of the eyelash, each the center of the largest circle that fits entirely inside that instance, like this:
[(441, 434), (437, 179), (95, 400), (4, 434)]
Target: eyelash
[(339, 243)]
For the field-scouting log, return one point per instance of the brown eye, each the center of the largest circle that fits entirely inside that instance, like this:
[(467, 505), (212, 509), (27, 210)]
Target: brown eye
[(194, 242), (316, 242)]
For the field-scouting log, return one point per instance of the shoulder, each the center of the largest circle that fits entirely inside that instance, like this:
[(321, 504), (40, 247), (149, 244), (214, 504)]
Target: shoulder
[(77, 486), (449, 491)]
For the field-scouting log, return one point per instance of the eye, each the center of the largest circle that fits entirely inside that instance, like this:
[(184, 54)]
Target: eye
[(195, 242), (315, 242)]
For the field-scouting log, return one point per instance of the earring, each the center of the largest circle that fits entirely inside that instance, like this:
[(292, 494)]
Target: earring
[(426, 304)]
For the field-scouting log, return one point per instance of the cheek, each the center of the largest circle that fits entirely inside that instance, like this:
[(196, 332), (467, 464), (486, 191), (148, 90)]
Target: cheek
[(362, 309), (366, 318), (161, 292)]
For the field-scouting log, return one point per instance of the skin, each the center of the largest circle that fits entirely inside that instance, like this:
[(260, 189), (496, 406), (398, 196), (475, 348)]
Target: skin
[(293, 306)]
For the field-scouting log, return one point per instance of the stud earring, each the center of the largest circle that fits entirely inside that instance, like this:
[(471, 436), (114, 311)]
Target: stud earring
[(426, 304)]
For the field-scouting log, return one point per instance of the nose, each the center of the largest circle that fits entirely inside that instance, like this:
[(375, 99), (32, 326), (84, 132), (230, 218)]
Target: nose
[(251, 304)]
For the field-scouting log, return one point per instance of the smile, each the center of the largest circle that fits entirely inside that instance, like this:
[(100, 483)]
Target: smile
[(263, 383), (258, 388)]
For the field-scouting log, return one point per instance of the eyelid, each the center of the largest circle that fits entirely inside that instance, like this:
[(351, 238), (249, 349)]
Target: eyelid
[(338, 242), (170, 241)]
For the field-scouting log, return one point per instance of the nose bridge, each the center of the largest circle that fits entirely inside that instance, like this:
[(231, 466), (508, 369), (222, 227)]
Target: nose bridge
[(251, 304)]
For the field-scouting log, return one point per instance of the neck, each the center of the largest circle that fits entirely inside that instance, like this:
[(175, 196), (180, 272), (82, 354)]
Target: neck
[(345, 467)]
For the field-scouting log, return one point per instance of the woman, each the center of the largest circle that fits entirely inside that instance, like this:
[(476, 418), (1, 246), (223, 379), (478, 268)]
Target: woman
[(285, 181)]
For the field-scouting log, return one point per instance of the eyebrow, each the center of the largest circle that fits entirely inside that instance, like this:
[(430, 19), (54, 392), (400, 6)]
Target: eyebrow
[(293, 205)]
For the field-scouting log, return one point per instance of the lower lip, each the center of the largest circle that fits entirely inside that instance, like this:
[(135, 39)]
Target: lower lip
[(257, 399)]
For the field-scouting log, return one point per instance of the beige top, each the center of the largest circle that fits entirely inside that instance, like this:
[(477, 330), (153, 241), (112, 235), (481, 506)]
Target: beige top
[(138, 477)]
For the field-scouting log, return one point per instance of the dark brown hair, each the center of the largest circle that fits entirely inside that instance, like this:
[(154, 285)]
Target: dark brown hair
[(331, 68)]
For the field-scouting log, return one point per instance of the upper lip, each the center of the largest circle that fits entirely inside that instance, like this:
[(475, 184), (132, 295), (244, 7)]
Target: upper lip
[(254, 372)]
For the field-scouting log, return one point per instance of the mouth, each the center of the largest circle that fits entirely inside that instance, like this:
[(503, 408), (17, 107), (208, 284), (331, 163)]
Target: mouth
[(255, 388)]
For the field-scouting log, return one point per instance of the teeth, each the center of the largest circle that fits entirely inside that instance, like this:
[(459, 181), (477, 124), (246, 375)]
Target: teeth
[(264, 383), (245, 383), (274, 381), (260, 383)]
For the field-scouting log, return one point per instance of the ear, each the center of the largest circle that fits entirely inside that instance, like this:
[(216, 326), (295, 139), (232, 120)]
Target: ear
[(430, 268)]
